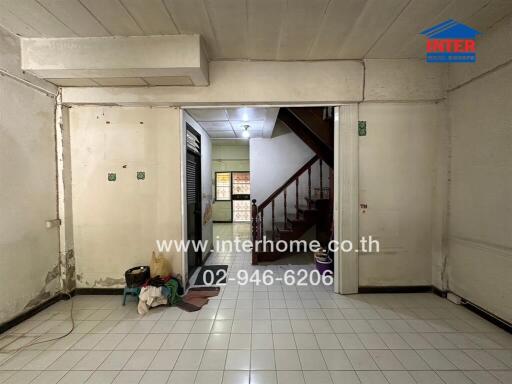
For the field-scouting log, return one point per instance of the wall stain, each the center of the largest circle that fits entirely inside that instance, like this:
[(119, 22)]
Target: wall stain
[(53, 274), (46, 292)]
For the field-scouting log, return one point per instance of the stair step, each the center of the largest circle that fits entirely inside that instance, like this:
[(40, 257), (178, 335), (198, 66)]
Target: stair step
[(294, 220), (315, 200)]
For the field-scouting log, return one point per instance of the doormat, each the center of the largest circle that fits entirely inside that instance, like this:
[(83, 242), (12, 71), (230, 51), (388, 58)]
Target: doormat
[(212, 275), (197, 297)]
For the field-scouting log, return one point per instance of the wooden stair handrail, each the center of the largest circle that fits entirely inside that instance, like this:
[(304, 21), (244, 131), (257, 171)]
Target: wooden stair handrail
[(288, 182)]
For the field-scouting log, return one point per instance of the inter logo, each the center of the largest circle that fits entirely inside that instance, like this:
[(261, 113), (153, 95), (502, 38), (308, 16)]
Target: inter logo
[(451, 42)]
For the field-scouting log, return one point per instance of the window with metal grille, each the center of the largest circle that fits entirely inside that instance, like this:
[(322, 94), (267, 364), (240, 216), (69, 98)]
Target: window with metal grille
[(223, 186)]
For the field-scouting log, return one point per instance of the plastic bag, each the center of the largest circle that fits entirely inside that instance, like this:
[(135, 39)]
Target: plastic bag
[(159, 266)]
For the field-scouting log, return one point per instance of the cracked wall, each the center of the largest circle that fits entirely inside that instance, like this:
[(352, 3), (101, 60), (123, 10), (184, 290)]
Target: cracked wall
[(29, 252)]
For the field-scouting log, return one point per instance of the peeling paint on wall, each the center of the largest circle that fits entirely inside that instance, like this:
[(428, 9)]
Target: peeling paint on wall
[(53, 274), (108, 282), (49, 289)]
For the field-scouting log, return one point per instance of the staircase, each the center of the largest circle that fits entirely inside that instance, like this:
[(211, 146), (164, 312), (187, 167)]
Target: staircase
[(302, 208)]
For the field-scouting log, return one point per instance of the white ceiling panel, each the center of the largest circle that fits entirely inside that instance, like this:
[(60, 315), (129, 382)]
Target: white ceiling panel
[(191, 16), (415, 17), (211, 114), (490, 14), (225, 123), (216, 125), (114, 17), (152, 16), (222, 134), (258, 29), (15, 25), (254, 124), (246, 113), (376, 17), (229, 21), (40, 19), (455, 9), (263, 42), (76, 17), (301, 24), (339, 19)]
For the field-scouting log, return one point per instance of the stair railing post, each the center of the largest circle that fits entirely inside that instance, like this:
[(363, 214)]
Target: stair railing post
[(261, 224), (285, 214), (273, 220), (297, 198), (254, 222), (309, 184), (321, 181)]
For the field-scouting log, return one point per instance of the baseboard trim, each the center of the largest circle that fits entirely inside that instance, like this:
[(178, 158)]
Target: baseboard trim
[(496, 320), (31, 312), (395, 289), (98, 291), (439, 292)]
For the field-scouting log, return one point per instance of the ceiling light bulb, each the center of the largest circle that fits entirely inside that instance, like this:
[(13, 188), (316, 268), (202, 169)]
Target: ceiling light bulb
[(245, 132)]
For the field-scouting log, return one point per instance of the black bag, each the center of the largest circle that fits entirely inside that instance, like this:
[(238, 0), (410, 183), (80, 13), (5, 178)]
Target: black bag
[(136, 276)]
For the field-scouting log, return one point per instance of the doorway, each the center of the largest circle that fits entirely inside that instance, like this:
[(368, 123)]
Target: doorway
[(346, 170), (193, 186)]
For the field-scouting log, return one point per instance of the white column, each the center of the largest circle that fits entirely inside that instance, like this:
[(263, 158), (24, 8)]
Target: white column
[(346, 200)]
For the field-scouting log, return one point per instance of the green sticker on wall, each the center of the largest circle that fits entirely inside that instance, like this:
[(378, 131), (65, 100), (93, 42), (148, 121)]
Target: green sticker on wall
[(112, 176), (361, 126), (141, 175)]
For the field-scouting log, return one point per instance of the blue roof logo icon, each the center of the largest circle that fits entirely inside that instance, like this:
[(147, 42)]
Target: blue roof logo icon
[(451, 42), (450, 29)]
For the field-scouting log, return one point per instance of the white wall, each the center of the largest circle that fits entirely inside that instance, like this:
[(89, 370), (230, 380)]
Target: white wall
[(29, 251), (117, 223), (479, 263), (228, 158), (206, 182), (397, 165), (273, 162)]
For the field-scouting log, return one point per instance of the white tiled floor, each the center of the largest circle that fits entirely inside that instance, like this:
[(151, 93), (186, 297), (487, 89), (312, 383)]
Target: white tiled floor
[(263, 335)]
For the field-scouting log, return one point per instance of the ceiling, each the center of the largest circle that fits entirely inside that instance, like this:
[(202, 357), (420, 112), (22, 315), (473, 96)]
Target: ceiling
[(227, 123), (258, 29)]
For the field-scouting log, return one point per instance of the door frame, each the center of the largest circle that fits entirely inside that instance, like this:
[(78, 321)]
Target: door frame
[(346, 174)]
